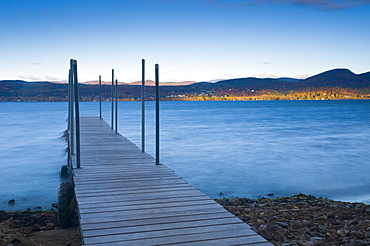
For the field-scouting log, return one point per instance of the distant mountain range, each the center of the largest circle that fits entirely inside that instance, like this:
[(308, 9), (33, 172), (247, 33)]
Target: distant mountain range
[(333, 84)]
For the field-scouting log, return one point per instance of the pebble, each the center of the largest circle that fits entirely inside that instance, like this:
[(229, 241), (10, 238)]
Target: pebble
[(15, 240), (262, 227), (282, 224), (314, 239), (330, 215)]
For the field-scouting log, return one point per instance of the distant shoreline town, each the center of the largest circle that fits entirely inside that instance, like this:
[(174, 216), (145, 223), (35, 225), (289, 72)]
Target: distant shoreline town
[(336, 84)]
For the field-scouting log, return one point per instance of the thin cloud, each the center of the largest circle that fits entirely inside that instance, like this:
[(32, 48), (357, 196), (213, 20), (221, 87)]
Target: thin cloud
[(303, 76), (229, 76), (30, 78), (52, 78), (263, 63), (267, 75), (39, 78), (327, 5), (36, 63)]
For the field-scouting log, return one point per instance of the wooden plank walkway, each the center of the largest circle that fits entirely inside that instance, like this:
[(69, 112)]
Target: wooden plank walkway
[(125, 199)]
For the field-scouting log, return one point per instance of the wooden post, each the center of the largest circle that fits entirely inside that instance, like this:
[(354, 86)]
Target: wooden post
[(69, 101), (100, 97), (72, 109), (112, 99), (156, 115), (116, 95), (78, 151), (143, 105), (70, 118)]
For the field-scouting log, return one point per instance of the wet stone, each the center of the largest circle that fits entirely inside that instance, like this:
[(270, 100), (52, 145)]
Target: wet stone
[(282, 224)]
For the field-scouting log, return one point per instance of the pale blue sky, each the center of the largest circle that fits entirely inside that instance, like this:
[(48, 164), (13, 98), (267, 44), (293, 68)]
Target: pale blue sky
[(197, 40)]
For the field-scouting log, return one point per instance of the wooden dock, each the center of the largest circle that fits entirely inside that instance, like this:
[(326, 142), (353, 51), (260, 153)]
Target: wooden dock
[(125, 199)]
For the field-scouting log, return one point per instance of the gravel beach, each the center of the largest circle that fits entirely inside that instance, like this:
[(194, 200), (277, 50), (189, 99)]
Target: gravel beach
[(304, 220)]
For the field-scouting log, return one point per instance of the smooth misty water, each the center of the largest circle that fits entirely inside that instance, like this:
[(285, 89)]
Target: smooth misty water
[(245, 149), (31, 153)]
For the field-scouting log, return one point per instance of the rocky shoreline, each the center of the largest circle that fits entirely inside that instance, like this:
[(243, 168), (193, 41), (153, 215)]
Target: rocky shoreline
[(304, 220), (31, 228), (286, 221)]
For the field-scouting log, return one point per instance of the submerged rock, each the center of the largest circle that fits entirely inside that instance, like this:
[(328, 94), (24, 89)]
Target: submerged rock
[(11, 202)]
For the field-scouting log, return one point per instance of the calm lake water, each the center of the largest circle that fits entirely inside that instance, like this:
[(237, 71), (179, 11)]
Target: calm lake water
[(225, 149)]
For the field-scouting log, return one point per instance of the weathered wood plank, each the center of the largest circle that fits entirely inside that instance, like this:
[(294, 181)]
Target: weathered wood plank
[(131, 184), (154, 221), (123, 191), (159, 238), (161, 227), (145, 216), (243, 240), (132, 197), (151, 212), (142, 189), (162, 206), (162, 235), (142, 202)]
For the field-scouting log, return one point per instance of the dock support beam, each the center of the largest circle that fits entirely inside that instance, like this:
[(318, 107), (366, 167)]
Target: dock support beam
[(100, 97), (157, 114), (116, 96), (70, 120), (71, 111), (143, 105), (75, 80), (112, 99)]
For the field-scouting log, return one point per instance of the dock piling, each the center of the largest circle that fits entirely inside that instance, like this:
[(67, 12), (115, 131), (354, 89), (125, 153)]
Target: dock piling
[(116, 116), (112, 99), (75, 80), (143, 105), (71, 111), (100, 97), (157, 114)]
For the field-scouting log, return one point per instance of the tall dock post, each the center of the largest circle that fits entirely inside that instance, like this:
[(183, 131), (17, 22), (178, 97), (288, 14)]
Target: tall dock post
[(112, 99), (69, 100), (100, 97), (116, 95), (143, 105), (71, 111), (156, 115), (78, 151), (70, 118)]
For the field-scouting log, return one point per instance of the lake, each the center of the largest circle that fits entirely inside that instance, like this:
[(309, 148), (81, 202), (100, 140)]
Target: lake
[(225, 149)]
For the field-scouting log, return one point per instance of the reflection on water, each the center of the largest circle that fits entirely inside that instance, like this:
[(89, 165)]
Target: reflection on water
[(237, 148)]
